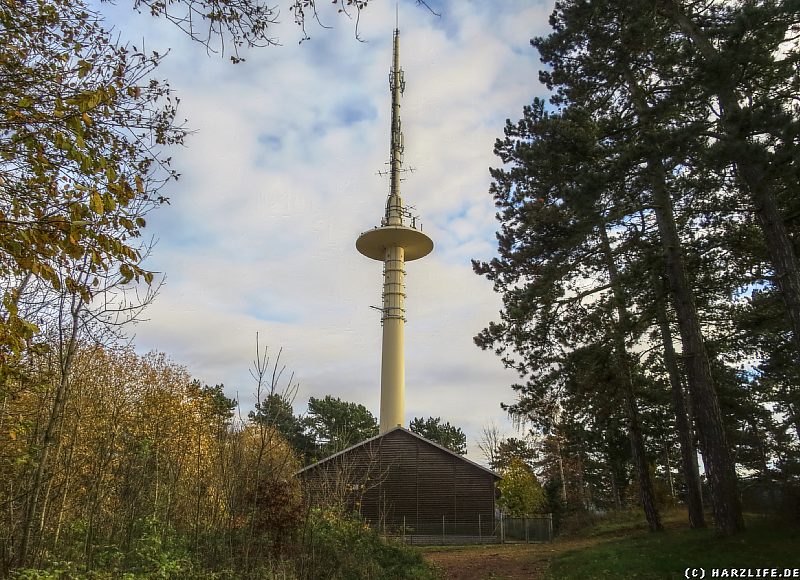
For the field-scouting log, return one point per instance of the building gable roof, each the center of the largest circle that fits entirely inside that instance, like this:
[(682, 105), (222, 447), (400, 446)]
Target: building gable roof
[(406, 431)]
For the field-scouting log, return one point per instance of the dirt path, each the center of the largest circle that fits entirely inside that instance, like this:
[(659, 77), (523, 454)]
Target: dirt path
[(499, 561), (529, 561)]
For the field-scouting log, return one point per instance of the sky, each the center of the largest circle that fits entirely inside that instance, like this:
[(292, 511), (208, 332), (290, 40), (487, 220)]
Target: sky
[(280, 176)]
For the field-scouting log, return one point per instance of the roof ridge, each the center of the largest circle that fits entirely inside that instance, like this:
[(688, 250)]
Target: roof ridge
[(392, 430)]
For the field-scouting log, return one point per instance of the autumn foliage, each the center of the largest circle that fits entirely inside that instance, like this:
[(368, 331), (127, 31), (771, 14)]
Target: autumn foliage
[(521, 495), (138, 449), (135, 470)]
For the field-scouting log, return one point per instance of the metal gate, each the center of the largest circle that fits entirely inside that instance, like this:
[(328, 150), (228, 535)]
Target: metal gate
[(530, 529)]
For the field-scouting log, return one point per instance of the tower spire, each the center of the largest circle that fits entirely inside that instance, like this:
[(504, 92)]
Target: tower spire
[(394, 205), (394, 243)]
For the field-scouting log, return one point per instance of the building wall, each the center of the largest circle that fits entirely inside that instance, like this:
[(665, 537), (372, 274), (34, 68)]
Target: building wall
[(400, 478)]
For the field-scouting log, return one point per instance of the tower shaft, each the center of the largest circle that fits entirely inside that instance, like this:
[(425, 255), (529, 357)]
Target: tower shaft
[(393, 372)]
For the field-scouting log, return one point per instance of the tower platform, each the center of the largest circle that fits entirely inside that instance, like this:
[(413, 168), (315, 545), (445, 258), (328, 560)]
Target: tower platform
[(374, 243)]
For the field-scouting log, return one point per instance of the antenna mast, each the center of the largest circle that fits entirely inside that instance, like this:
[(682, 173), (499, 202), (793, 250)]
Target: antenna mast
[(394, 206)]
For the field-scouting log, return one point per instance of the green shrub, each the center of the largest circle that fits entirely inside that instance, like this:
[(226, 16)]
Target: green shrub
[(339, 546), (158, 553)]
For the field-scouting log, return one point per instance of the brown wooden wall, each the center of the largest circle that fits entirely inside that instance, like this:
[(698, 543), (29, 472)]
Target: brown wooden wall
[(399, 478)]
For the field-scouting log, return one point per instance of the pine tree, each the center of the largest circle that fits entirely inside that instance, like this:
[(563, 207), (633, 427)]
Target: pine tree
[(445, 434)]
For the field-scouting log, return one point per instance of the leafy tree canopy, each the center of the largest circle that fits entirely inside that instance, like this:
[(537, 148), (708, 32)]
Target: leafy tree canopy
[(521, 494), (82, 135)]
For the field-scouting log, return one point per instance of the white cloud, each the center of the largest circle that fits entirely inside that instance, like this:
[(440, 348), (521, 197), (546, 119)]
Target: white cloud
[(280, 178)]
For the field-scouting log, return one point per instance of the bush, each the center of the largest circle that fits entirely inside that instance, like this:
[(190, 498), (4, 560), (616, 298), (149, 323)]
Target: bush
[(339, 546), (157, 552)]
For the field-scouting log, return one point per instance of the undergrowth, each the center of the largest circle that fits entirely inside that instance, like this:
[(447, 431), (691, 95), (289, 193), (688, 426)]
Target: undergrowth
[(332, 545)]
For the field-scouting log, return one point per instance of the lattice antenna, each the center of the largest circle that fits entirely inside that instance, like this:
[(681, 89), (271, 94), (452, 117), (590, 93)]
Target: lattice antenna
[(394, 205)]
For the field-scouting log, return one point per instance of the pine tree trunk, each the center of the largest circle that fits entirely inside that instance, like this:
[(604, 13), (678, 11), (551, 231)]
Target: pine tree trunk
[(581, 486), (691, 473), (717, 456), (561, 472), (614, 487), (716, 451), (752, 176), (646, 493), (668, 470)]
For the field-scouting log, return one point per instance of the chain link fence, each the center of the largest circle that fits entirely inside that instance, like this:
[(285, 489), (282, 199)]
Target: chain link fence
[(474, 530)]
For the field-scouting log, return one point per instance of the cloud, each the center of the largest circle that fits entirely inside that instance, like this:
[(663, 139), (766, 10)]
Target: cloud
[(280, 178)]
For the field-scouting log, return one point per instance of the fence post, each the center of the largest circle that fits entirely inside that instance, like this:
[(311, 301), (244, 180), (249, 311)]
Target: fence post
[(480, 532), (443, 529), (502, 529), (526, 529), (550, 527), (404, 530)]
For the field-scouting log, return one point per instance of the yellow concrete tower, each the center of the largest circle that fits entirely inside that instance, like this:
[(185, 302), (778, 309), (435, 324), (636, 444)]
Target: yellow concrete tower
[(396, 241)]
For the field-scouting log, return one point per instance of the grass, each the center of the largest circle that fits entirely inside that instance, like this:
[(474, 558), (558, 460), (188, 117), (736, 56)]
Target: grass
[(640, 554), (619, 545), (625, 523)]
